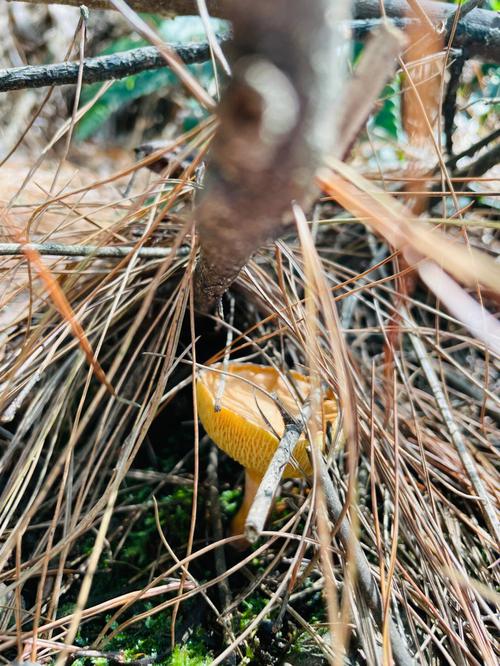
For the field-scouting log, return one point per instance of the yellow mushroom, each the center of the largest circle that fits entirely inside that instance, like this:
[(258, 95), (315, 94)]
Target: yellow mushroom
[(247, 423)]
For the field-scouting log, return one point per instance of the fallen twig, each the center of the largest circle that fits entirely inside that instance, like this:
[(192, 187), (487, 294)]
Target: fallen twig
[(259, 510), (63, 250), (102, 68), (146, 58), (219, 555)]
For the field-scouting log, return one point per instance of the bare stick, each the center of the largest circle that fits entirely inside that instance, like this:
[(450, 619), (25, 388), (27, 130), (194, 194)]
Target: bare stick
[(366, 582), (102, 68), (216, 517), (63, 250), (259, 510)]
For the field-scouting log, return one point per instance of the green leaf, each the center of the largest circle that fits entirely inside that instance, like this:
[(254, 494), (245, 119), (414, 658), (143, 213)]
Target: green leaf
[(182, 29), (389, 116)]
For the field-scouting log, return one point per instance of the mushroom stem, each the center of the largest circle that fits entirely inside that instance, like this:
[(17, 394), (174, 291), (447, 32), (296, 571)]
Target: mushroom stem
[(252, 482)]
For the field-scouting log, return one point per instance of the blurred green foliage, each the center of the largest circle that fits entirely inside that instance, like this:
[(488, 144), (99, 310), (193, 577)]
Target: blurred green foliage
[(389, 116), (174, 512), (181, 30)]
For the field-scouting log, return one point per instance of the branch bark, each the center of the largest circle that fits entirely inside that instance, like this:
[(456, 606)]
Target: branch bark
[(102, 68), (271, 133), (64, 250), (478, 34)]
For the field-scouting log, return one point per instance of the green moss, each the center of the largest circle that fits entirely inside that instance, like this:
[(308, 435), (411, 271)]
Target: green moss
[(230, 501), (149, 637), (251, 607), (175, 518), (187, 656)]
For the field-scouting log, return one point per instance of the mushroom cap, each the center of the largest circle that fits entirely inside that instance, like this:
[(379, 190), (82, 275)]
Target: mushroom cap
[(248, 418)]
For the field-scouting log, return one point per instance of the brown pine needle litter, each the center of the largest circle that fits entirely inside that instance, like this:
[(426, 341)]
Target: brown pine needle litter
[(114, 506)]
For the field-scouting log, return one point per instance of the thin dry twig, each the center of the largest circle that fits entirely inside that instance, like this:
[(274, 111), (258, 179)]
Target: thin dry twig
[(261, 505), (101, 68), (65, 250)]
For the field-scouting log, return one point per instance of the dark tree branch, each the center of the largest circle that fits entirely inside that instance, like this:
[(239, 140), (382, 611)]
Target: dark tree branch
[(103, 68), (482, 164), (461, 12), (477, 33), (455, 71), (127, 63), (362, 28), (450, 101), (472, 150)]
